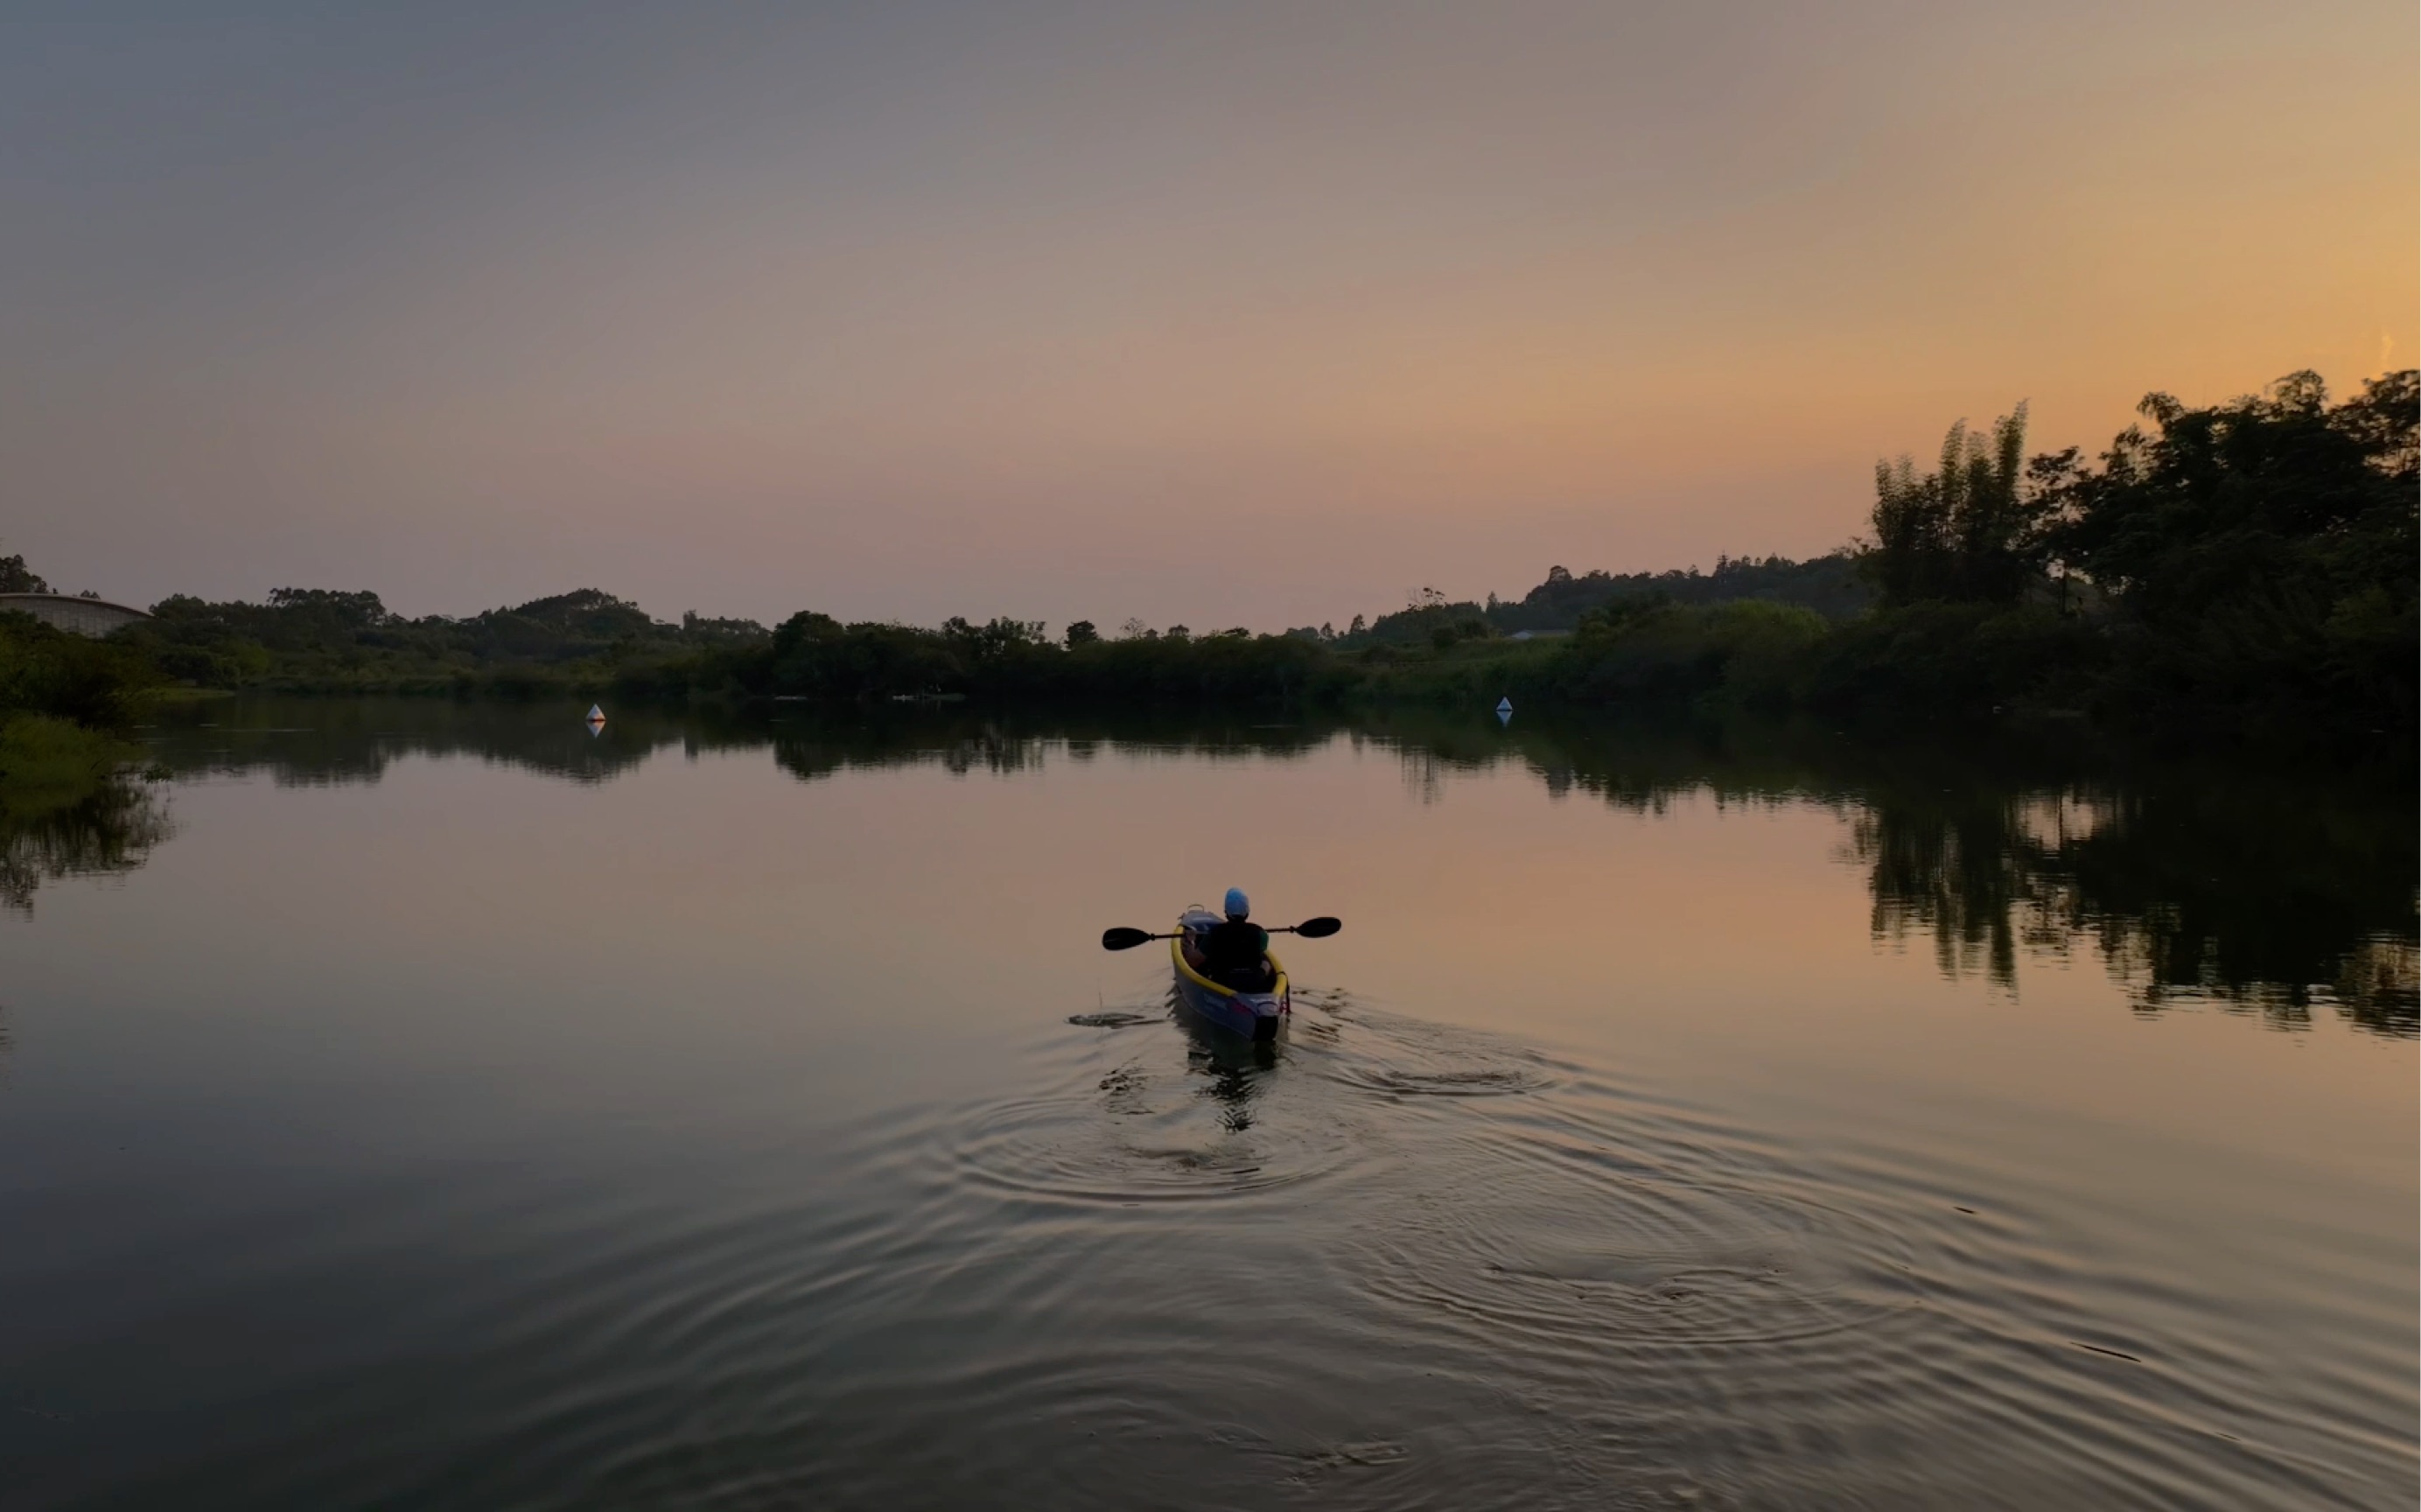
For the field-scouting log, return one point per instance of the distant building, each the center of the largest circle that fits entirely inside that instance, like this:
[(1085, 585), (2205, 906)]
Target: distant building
[(80, 616)]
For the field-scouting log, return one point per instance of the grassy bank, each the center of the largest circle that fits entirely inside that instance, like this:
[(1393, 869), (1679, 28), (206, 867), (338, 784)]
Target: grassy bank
[(48, 672), (48, 763), (69, 800), (65, 765)]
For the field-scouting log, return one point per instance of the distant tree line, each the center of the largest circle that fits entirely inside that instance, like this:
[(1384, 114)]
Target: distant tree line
[(590, 641), (815, 656), (1832, 586), (2246, 566), (324, 640)]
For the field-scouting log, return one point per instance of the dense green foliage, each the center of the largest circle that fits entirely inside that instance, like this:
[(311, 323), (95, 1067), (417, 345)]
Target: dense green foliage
[(815, 656), (1831, 587), (1649, 649), (64, 702), (2261, 553), (49, 672), (2246, 566), (47, 762), (2249, 562), (320, 640)]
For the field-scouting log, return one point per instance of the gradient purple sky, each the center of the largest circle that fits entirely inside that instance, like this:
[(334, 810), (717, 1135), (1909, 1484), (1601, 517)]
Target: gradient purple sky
[(900, 310)]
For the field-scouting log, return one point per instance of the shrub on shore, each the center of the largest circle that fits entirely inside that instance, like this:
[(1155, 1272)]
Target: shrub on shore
[(48, 763)]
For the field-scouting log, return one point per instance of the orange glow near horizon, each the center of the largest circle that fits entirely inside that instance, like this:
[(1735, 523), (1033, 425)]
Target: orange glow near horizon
[(905, 315)]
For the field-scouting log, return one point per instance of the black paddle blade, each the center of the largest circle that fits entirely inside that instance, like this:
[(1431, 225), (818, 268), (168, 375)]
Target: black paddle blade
[(1319, 928), (1123, 938)]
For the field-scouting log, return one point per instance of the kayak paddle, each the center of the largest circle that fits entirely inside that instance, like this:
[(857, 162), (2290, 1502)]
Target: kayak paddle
[(1320, 929)]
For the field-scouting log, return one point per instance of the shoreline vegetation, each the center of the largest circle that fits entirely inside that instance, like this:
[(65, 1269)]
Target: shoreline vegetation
[(66, 702), (70, 795), (2243, 570)]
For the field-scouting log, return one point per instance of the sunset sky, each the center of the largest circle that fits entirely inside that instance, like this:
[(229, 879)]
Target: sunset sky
[(1226, 314)]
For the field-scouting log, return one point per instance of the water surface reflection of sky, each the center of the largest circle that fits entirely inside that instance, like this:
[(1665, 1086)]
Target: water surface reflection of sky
[(522, 979)]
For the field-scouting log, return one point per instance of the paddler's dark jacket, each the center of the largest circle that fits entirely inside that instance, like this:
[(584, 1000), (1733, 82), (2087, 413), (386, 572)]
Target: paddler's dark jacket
[(1233, 946)]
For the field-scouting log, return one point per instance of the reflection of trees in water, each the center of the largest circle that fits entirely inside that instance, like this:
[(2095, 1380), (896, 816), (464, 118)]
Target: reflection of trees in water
[(1424, 772), (334, 742), (1955, 868), (2273, 893), (2379, 985), (1937, 879), (313, 742), (2269, 899), (111, 829), (811, 748), (2265, 892), (815, 753)]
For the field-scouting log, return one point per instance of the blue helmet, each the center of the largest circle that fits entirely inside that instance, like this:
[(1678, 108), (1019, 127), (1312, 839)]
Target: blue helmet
[(1239, 906)]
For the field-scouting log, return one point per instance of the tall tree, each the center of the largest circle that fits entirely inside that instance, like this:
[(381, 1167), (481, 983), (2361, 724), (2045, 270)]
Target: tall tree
[(2264, 548), (1970, 530), (16, 577)]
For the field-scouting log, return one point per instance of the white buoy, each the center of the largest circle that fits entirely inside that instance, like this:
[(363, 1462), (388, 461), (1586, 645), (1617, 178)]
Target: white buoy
[(595, 715), (1505, 705)]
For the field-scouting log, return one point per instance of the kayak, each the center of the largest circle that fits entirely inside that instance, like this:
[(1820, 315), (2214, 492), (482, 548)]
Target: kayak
[(1254, 1014)]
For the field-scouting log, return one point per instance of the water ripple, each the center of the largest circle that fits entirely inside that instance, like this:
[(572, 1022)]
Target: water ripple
[(1390, 1264), (1145, 1130)]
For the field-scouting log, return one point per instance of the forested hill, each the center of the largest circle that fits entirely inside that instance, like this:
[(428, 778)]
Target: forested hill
[(1831, 585)]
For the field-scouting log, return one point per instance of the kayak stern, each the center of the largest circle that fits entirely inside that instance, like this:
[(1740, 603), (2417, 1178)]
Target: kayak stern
[(1256, 1015)]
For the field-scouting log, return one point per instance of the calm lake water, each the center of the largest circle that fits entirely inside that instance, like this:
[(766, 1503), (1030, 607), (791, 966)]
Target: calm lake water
[(418, 1106)]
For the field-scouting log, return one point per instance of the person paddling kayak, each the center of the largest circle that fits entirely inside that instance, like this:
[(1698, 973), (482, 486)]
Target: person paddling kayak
[(1225, 972), (1234, 952)]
